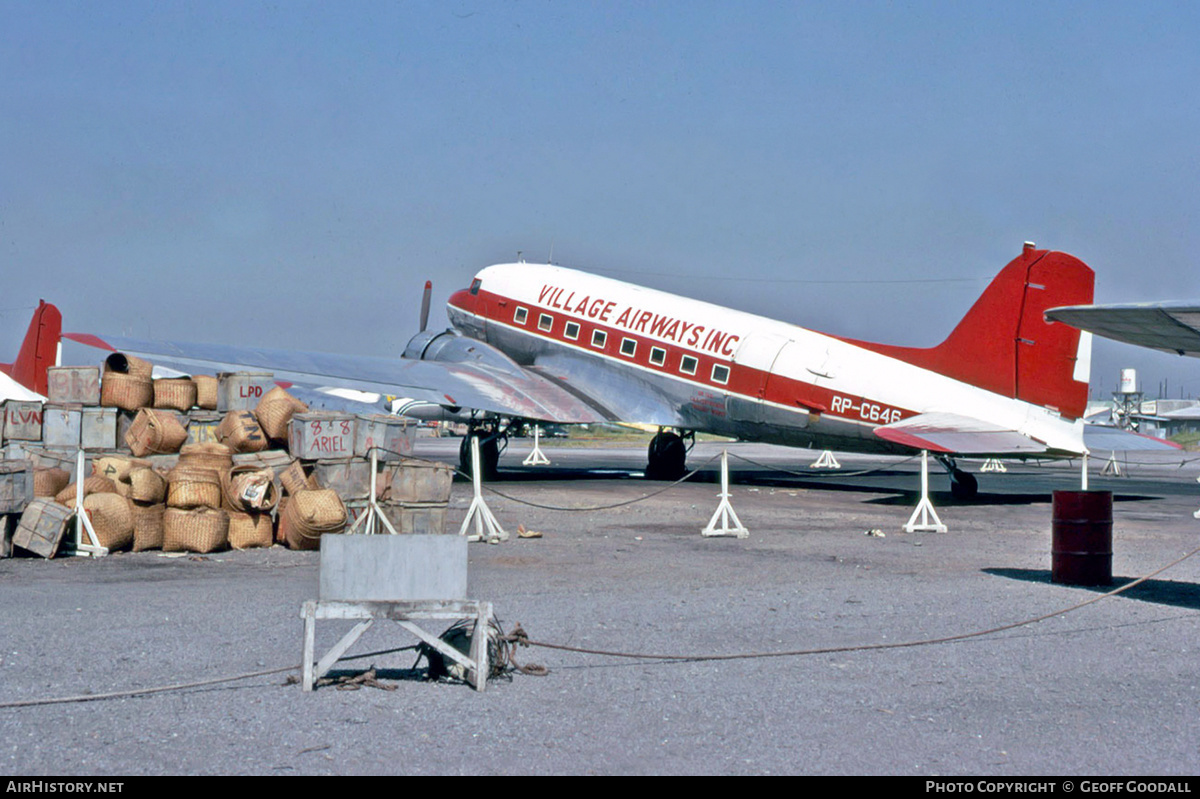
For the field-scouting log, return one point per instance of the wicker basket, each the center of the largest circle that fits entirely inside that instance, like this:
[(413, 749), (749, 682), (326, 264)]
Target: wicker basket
[(127, 392), (249, 489), (120, 363), (199, 530), (240, 432), (193, 487), (294, 480), (147, 526), (48, 482), (209, 455), (147, 485), (311, 514), (155, 432), (111, 518), (275, 410), (206, 391), (250, 530), (92, 485), (176, 393), (117, 467)]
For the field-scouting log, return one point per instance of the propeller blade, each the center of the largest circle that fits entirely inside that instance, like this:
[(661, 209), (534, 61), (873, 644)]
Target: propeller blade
[(425, 304)]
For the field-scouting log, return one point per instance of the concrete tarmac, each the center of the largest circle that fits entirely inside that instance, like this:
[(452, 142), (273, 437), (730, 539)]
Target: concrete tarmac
[(1109, 689)]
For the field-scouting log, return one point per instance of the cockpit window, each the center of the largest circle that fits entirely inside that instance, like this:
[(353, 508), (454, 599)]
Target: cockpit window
[(475, 286)]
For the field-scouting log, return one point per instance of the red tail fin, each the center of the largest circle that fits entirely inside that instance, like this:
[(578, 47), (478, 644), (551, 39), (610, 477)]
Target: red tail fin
[(39, 350), (1004, 345)]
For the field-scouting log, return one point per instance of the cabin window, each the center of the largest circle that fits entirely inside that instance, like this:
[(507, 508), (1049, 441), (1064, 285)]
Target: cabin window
[(720, 373), (571, 331), (687, 365), (628, 347), (520, 315), (475, 284), (658, 356), (599, 338), (545, 322)]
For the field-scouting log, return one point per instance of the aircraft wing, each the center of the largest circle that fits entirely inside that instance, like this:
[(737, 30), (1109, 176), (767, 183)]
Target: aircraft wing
[(953, 434), (508, 391), (1167, 326)]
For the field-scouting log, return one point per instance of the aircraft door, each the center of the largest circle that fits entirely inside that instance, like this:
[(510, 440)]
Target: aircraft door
[(757, 352)]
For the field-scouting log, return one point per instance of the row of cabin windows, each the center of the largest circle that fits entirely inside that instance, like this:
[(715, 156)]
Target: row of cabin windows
[(658, 355)]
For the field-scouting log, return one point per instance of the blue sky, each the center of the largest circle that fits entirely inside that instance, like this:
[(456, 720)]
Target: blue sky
[(289, 174)]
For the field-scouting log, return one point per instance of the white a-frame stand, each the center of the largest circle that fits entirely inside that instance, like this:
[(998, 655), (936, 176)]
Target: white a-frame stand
[(993, 465), (924, 508), (374, 514), (1112, 467), (826, 461), (83, 523), (724, 510), (537, 457), (479, 510)]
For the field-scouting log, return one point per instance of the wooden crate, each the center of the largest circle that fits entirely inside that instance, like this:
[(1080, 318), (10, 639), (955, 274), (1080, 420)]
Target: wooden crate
[(241, 391), (415, 481), (391, 436), (42, 527), (8, 526), (98, 428), (16, 486), (79, 385), (321, 434), (349, 477), (61, 425), (22, 420), (202, 427)]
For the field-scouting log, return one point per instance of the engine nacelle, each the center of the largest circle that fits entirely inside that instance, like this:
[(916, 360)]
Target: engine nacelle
[(453, 347)]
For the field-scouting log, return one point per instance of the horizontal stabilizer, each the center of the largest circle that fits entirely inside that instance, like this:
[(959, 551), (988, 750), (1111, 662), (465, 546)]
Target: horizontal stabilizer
[(1103, 438), (951, 433), (1167, 326)]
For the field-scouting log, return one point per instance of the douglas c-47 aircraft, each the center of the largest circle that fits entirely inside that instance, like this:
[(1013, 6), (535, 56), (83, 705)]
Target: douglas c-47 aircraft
[(544, 343)]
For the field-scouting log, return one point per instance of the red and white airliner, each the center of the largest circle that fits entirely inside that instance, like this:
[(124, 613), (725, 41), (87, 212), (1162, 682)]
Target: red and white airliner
[(544, 343)]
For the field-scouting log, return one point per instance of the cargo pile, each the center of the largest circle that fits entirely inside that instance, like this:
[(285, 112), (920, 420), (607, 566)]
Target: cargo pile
[(201, 464)]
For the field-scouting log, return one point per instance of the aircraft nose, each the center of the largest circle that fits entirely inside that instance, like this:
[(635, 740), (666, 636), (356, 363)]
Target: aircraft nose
[(463, 299)]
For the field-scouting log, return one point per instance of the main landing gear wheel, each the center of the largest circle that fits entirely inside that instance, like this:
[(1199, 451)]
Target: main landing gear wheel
[(963, 485), (667, 457), (489, 455)]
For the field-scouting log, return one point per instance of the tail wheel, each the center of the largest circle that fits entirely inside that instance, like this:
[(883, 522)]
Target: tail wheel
[(667, 457), (489, 455)]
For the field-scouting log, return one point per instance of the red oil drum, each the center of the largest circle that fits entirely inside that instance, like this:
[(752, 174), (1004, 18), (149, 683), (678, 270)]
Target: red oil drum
[(1081, 546)]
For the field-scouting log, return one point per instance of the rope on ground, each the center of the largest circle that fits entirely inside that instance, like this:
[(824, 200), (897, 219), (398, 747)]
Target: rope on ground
[(526, 641), (823, 473), (642, 498)]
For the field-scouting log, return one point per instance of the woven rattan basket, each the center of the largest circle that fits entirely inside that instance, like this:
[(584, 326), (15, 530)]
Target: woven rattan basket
[(92, 485), (240, 432), (193, 487), (294, 480), (147, 526), (147, 485), (48, 482), (111, 518), (275, 410), (127, 392), (198, 530), (176, 393), (250, 530), (249, 489), (155, 432), (206, 392), (120, 363), (311, 514), (208, 455)]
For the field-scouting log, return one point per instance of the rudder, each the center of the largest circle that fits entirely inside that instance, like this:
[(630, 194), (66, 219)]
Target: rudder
[(39, 349)]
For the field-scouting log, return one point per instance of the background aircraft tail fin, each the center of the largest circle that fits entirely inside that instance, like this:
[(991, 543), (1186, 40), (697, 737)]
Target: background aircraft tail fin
[(1004, 345), (39, 350)]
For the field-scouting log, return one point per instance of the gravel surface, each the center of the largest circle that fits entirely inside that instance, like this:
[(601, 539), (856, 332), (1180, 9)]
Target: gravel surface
[(1108, 689)]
